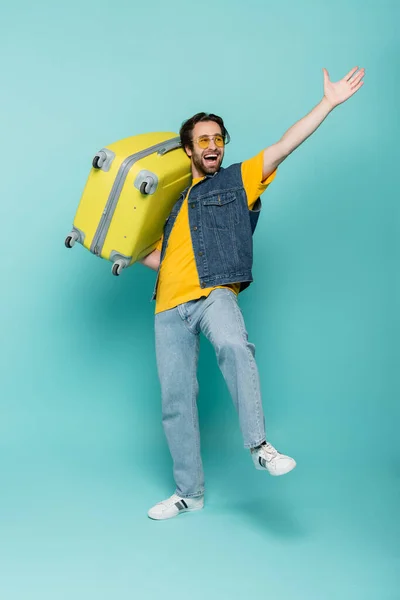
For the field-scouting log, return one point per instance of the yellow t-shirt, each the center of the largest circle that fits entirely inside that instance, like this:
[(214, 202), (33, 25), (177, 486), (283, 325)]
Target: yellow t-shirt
[(178, 278)]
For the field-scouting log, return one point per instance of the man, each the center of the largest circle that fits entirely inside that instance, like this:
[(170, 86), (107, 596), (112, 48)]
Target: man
[(204, 260)]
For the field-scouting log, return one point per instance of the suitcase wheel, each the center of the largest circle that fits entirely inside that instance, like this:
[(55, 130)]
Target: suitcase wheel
[(117, 268), (143, 187), (95, 162), (146, 182), (71, 239)]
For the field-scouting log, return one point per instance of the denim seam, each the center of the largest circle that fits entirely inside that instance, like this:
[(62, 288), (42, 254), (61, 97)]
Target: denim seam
[(256, 389), (233, 240), (194, 408), (184, 315), (220, 249)]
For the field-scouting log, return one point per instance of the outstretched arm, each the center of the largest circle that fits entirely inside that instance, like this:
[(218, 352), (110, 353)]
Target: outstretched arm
[(334, 94)]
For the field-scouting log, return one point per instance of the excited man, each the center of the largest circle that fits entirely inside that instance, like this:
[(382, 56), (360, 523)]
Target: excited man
[(204, 260)]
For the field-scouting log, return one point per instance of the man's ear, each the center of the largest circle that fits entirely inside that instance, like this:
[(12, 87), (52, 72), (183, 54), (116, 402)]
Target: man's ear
[(188, 151)]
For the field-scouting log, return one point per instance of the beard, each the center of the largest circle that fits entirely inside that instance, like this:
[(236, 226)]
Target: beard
[(201, 164)]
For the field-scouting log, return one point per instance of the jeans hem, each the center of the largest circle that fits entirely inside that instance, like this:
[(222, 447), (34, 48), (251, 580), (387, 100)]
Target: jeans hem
[(197, 495), (250, 446)]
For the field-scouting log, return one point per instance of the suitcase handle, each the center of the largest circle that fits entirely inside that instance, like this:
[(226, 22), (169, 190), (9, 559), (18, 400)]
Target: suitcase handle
[(169, 145)]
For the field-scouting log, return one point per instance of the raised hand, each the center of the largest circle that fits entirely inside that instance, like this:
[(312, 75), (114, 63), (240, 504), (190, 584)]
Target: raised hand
[(342, 90)]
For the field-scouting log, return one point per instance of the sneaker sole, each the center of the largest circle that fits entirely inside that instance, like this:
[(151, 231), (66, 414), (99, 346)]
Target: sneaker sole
[(184, 510), (284, 472)]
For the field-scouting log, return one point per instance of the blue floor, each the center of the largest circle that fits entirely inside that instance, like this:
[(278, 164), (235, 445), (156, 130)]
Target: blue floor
[(77, 529)]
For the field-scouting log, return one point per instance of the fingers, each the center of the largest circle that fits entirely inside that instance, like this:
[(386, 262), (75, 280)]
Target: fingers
[(350, 74), (356, 88), (357, 78)]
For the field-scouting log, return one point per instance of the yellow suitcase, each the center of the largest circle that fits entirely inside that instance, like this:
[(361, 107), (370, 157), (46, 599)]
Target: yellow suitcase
[(129, 194)]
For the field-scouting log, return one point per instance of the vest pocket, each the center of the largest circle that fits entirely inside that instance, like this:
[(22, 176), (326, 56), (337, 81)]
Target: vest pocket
[(220, 211)]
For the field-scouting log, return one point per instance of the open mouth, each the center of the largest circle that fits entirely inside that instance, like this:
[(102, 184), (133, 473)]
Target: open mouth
[(211, 159)]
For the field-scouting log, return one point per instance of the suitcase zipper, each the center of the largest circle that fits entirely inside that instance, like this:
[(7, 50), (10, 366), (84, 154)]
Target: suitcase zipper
[(109, 209)]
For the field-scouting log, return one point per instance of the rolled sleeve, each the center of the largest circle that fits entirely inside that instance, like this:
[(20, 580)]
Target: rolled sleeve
[(252, 172)]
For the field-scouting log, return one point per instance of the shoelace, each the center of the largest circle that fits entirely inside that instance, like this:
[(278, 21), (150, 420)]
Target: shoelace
[(269, 449)]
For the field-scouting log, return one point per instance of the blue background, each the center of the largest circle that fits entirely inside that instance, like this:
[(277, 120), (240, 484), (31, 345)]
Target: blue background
[(81, 445)]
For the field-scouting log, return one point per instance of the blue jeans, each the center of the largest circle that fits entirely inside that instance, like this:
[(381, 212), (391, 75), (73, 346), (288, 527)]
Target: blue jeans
[(177, 332)]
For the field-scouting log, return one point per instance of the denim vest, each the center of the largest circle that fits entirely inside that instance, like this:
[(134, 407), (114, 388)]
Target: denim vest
[(221, 228)]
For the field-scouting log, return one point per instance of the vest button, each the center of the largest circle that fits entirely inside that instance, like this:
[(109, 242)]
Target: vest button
[(195, 228), (203, 284), (193, 205), (201, 253)]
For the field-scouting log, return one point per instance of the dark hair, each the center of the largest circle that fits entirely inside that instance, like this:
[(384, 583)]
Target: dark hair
[(188, 126)]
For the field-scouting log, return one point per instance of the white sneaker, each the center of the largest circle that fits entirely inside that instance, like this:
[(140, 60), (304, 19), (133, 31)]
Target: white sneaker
[(175, 506), (266, 457)]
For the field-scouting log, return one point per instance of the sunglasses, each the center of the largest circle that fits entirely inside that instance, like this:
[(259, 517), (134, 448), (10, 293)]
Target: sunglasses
[(204, 141)]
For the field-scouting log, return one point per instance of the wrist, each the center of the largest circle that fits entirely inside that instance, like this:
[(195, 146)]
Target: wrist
[(328, 106)]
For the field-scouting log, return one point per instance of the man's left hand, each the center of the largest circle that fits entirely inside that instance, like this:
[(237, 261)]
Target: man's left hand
[(339, 92)]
